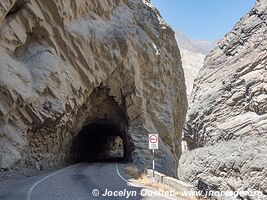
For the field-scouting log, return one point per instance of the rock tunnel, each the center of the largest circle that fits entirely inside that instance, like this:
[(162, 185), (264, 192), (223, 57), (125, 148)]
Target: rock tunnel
[(103, 137), (100, 141), (99, 133)]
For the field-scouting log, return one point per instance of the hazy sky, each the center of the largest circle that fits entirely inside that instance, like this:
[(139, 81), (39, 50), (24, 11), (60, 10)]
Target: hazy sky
[(203, 19)]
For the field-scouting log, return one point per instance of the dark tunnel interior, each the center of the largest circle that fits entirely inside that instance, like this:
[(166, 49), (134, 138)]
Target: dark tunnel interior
[(100, 142)]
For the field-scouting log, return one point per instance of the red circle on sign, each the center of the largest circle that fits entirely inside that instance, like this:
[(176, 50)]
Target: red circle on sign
[(153, 137)]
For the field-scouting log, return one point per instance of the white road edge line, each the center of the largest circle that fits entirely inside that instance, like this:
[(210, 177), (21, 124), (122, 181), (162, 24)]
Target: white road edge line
[(117, 169), (118, 172), (35, 184)]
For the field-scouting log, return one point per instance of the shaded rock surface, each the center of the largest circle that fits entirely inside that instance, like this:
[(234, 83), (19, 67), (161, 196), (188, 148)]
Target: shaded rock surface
[(226, 130), (65, 64)]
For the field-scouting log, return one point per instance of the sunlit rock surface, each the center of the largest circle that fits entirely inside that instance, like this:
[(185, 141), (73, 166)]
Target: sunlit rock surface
[(193, 53), (226, 130), (67, 63)]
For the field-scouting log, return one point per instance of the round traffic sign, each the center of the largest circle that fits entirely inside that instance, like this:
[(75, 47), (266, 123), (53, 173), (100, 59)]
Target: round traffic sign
[(153, 138)]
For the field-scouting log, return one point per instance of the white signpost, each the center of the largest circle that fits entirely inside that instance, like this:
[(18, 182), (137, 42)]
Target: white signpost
[(153, 140)]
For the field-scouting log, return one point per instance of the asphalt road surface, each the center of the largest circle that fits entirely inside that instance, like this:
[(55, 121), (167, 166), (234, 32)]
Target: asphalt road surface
[(82, 181)]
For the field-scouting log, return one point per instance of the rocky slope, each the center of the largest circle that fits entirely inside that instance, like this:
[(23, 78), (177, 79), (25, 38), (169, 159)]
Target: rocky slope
[(226, 130), (193, 53), (66, 64)]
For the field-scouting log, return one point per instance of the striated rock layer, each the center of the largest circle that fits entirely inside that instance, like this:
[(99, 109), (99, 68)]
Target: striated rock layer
[(66, 64), (226, 130)]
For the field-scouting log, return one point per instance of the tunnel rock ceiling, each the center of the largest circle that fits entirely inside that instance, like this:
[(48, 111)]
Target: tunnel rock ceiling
[(66, 65)]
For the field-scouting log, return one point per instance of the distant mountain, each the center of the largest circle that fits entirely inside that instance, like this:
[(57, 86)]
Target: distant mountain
[(193, 53), (193, 45)]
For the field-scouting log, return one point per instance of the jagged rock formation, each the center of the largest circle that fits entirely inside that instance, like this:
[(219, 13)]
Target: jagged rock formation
[(66, 64), (227, 126), (193, 53)]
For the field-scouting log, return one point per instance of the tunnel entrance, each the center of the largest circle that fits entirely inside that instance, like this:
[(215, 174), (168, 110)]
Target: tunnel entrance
[(104, 135), (100, 142)]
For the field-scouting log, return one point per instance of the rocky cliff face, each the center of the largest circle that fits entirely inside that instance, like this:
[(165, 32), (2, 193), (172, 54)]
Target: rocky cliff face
[(226, 129), (68, 64), (193, 53)]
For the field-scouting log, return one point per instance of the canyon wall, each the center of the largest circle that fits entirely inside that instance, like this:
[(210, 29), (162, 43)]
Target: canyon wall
[(226, 129), (65, 64), (193, 53)]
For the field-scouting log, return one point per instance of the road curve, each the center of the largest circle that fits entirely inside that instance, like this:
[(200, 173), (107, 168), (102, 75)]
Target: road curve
[(82, 181)]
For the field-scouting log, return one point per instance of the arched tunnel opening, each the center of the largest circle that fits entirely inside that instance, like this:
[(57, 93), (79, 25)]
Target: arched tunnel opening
[(104, 135), (101, 142)]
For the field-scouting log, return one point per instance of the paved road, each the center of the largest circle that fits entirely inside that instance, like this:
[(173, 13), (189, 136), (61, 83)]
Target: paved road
[(79, 182)]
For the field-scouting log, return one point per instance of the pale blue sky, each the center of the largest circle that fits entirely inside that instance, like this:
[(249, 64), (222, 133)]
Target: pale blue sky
[(203, 19)]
